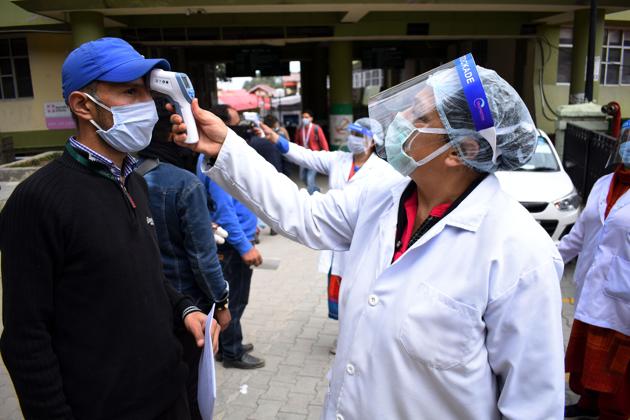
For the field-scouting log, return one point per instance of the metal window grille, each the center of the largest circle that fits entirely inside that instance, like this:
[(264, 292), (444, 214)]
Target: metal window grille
[(615, 65), (15, 73)]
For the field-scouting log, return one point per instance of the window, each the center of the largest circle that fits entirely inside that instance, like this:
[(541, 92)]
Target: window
[(373, 77), (357, 79), (615, 69), (365, 78), (564, 55), (15, 72), (543, 160)]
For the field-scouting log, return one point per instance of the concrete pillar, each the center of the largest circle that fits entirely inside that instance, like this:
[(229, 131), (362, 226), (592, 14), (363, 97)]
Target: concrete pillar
[(340, 72), (86, 26), (581, 22), (314, 71), (319, 103)]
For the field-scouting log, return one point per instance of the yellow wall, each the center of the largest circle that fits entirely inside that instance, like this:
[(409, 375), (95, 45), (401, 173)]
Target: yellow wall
[(620, 94), (46, 55), (558, 94)]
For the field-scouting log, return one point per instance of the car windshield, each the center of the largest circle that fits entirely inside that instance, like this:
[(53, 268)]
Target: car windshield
[(543, 160)]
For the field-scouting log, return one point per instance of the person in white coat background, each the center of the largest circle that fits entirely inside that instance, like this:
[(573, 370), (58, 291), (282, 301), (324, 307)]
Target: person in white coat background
[(453, 310), (598, 354), (342, 168)]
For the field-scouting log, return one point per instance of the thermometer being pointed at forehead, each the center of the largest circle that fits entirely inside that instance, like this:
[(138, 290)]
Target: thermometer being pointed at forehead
[(179, 91)]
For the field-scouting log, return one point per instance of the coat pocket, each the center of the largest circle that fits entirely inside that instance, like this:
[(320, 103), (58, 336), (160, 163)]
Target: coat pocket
[(439, 331), (617, 284)]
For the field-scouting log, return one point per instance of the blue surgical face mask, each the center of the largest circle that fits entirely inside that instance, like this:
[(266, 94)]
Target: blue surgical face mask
[(133, 125), (357, 145), (624, 152), (399, 132), (306, 121)]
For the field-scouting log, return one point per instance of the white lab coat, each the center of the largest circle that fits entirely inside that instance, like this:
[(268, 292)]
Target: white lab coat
[(465, 325), (602, 273), (337, 166)]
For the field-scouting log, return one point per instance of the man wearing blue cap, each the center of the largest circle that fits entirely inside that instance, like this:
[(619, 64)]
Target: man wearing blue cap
[(88, 316)]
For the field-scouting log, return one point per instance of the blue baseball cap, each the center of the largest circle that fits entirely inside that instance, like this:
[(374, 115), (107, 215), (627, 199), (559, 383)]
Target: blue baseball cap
[(107, 60)]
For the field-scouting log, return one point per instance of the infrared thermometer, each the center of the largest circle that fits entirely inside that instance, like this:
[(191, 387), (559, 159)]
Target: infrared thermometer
[(179, 91), (252, 117), (255, 119)]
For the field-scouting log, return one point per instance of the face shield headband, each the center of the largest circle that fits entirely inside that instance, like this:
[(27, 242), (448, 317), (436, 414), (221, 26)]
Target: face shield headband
[(358, 130), (477, 101)]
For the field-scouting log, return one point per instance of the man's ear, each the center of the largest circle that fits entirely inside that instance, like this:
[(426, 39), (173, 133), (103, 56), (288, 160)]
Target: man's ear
[(469, 149), (81, 106)]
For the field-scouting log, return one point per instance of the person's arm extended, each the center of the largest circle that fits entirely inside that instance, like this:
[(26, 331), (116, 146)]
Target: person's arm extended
[(525, 346), (320, 161), (320, 221), (201, 250), (31, 252)]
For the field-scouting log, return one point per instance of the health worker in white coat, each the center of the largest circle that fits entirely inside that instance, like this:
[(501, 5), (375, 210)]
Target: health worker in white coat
[(451, 308), (598, 354), (343, 168)]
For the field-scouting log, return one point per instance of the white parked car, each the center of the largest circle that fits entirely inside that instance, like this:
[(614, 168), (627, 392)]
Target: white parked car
[(544, 189)]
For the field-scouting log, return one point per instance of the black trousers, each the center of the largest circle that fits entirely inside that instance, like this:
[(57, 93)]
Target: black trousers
[(239, 276)]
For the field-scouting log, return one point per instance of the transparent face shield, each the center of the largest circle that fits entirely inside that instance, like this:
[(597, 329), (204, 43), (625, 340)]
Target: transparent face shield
[(621, 153), (414, 125), (359, 138)]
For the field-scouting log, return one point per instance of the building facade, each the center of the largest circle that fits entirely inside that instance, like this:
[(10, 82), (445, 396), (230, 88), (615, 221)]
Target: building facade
[(348, 50)]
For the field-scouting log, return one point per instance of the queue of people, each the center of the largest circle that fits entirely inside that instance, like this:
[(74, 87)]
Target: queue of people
[(237, 256), (179, 208), (446, 289)]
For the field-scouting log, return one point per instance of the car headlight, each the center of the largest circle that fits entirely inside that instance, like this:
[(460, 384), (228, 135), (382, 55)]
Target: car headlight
[(568, 203)]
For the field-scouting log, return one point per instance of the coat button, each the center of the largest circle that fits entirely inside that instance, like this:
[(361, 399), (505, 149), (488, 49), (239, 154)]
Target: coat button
[(350, 369), (339, 416), (373, 300)]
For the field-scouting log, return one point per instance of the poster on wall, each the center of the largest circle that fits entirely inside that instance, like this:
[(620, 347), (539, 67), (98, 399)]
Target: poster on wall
[(338, 129), (58, 116)]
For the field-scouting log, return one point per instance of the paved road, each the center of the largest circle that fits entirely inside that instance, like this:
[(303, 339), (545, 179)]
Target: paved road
[(286, 321)]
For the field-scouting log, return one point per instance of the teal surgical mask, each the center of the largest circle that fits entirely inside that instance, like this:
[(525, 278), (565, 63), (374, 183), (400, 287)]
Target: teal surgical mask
[(133, 125), (398, 135)]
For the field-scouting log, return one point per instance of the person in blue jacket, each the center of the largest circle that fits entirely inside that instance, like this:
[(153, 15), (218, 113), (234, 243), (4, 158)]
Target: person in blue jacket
[(237, 256)]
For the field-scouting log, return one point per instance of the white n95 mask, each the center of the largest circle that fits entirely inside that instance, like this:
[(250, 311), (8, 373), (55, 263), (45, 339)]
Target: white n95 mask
[(398, 141), (133, 125)]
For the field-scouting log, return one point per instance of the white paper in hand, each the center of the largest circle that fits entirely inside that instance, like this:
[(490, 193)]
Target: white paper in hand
[(267, 264), (207, 386)]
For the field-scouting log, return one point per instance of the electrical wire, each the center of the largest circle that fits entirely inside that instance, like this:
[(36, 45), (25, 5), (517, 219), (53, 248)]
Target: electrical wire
[(541, 71)]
